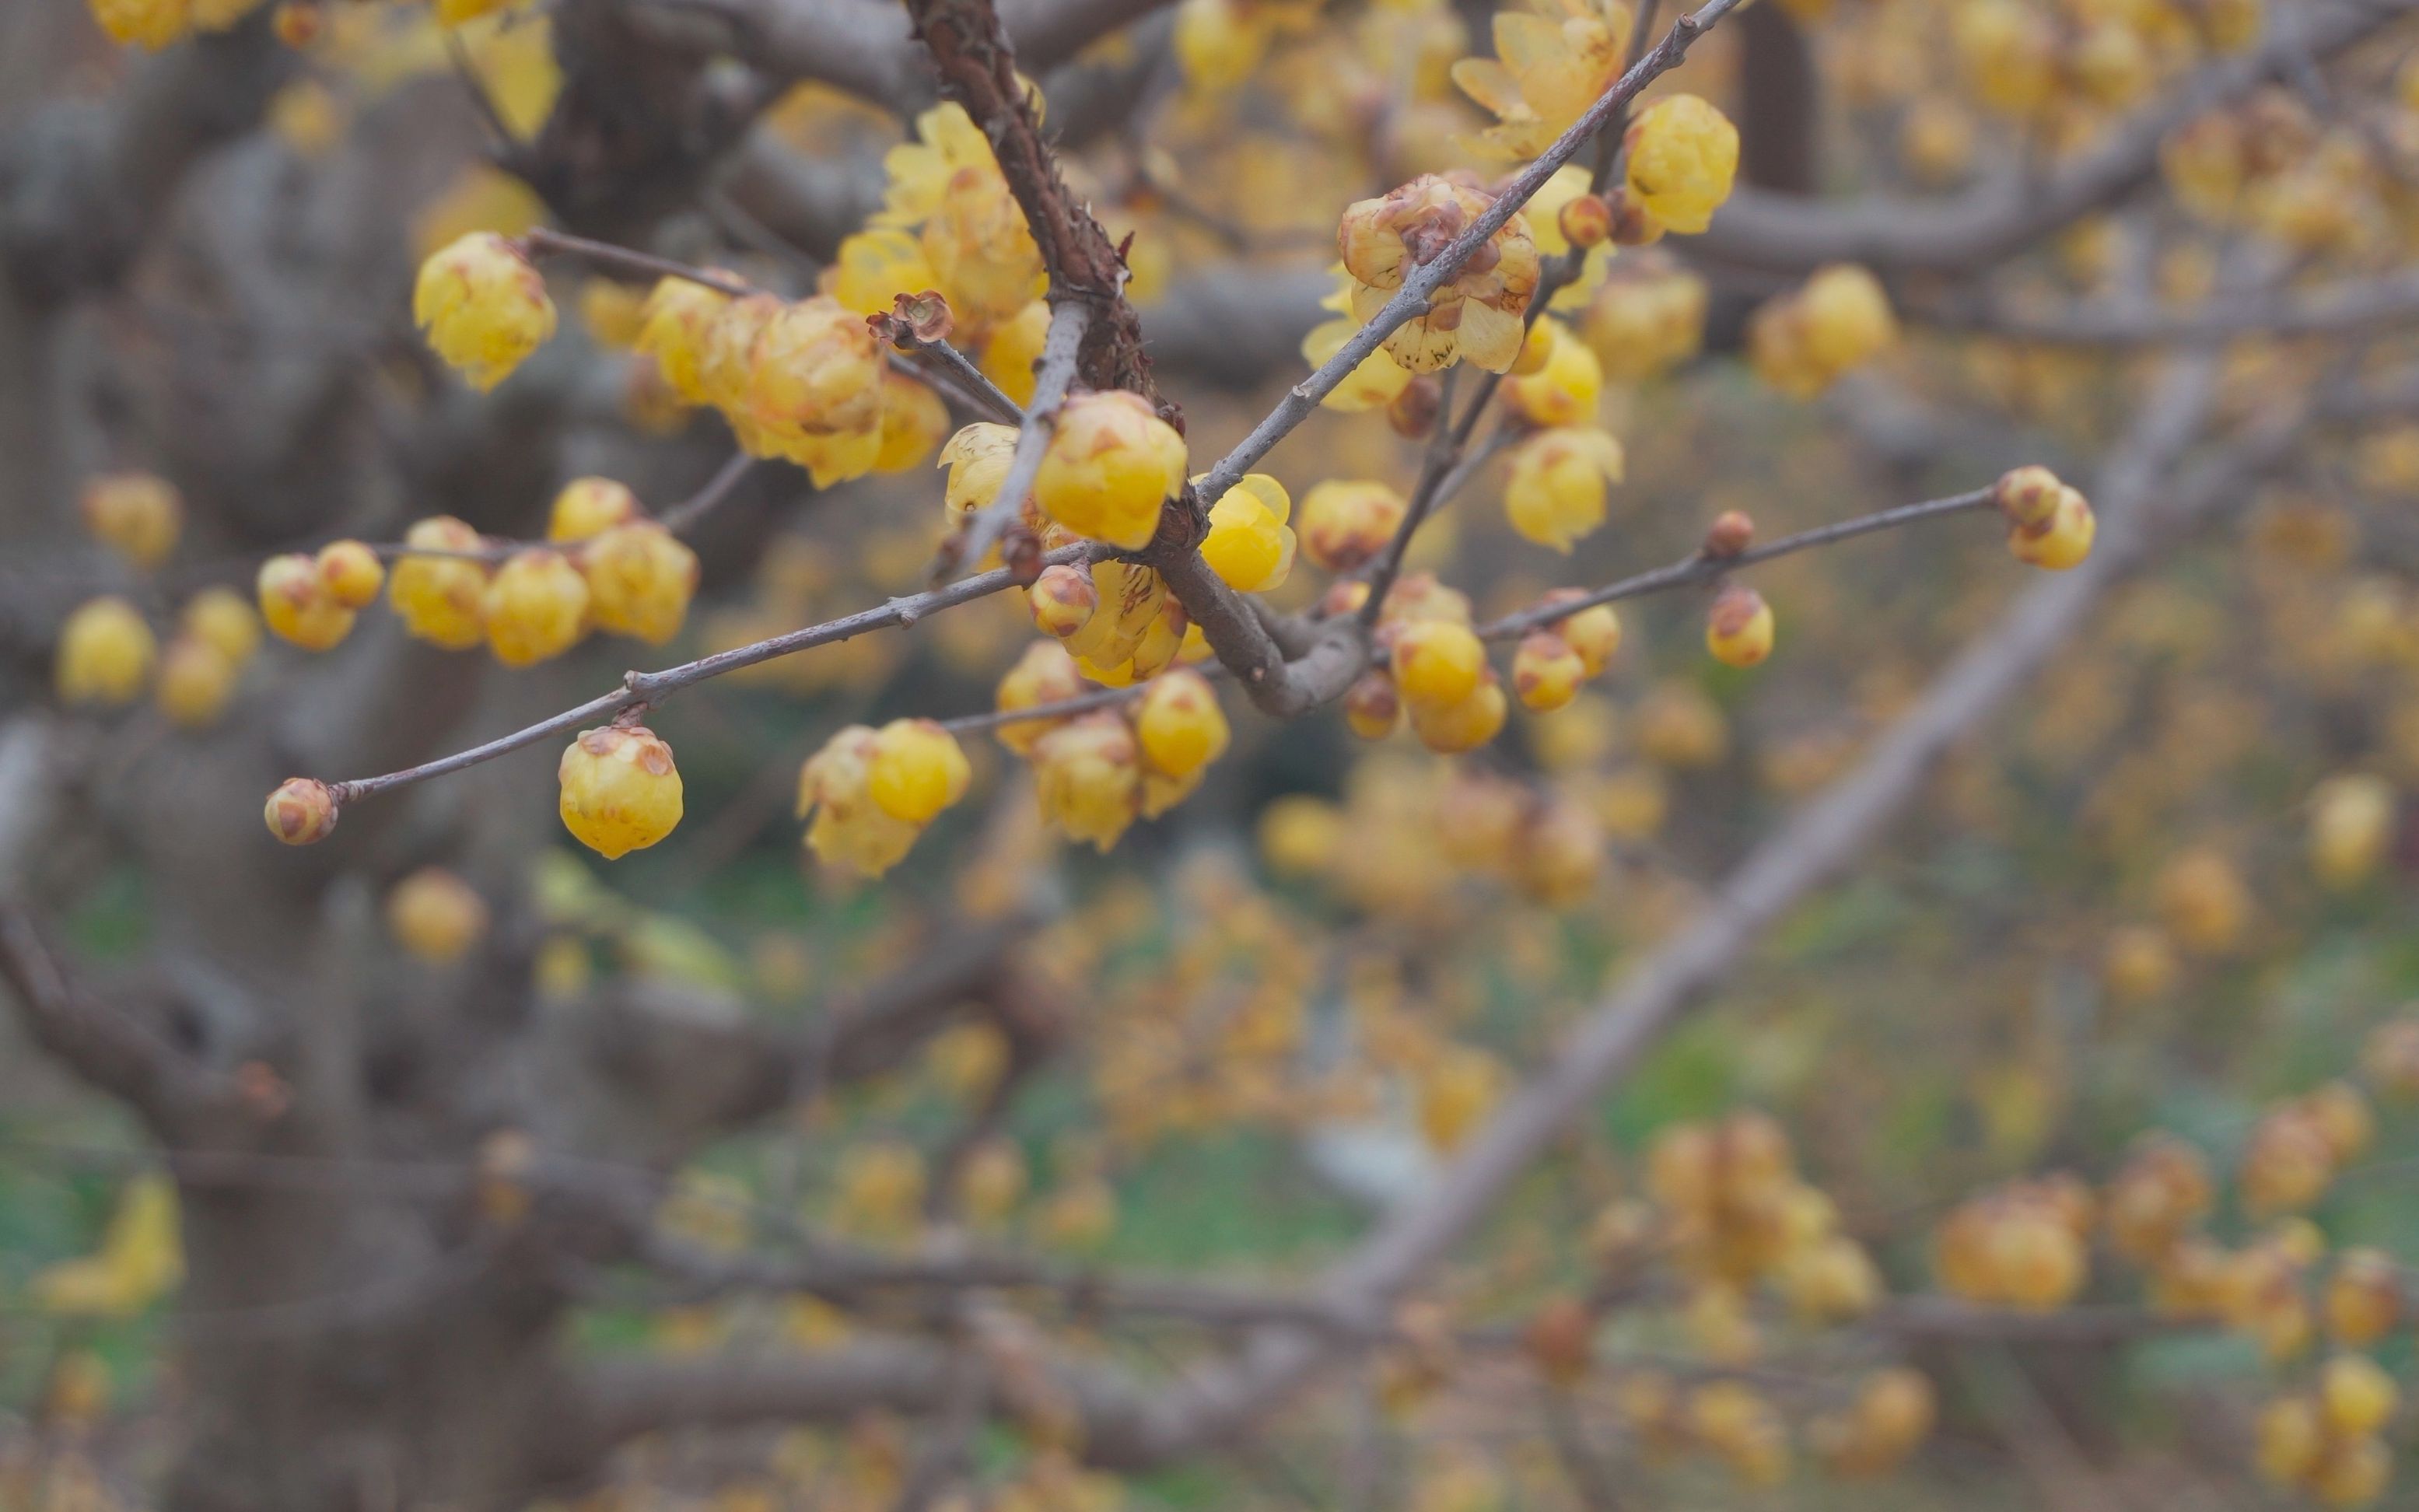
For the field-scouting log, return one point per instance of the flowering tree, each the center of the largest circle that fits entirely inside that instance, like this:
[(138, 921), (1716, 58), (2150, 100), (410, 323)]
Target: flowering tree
[(491, 1176)]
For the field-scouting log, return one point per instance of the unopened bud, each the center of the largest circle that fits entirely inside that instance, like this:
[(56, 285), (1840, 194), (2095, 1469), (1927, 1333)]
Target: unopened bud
[(1585, 221), (1414, 411), (1730, 533), (1372, 706), (1063, 599), (302, 811), (2028, 495), (1632, 225)]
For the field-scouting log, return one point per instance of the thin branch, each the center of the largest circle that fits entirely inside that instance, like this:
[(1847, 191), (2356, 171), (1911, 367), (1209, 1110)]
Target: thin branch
[(645, 689), (542, 239), (1068, 322), (1700, 568), (959, 370), (2361, 309)]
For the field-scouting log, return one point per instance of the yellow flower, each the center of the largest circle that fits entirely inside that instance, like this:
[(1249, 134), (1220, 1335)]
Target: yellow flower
[(535, 607), (301, 811), (919, 172), (440, 598), (1110, 463), (874, 266), (351, 572), (982, 256), (1346, 521), (639, 580), (1683, 153), (484, 307), (195, 681), (814, 388), (1547, 71), (221, 617), (105, 653), (1012, 348), (295, 600), (1045, 673), (850, 828), (1546, 672), (915, 770), (137, 514), (2009, 54), (436, 915), (1555, 492), (152, 24), (1450, 729), (1179, 724), (1088, 775), (914, 420), (1249, 543), (1802, 342), (1478, 313), (1641, 324), (1564, 390), (1219, 43), (1130, 614), (673, 327), (589, 506), (2061, 541), (621, 792), (1739, 629), (1437, 662)]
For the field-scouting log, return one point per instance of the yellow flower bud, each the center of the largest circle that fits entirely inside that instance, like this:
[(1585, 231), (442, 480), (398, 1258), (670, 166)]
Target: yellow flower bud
[(295, 600), (983, 257), (673, 327), (589, 506), (915, 770), (2353, 1473), (1437, 663), (1110, 463), (1373, 707), (1062, 599), (1348, 522), (440, 598), (1802, 342), (640, 578), (302, 811), (136, 514), (991, 1181), (195, 681), (1087, 775), (152, 24), (1179, 724), (874, 266), (2288, 1437), (2355, 1395), (1554, 493), (221, 617), (537, 608), (105, 653), (1449, 728), (1565, 388), (1546, 672), (1644, 323), (814, 386), (351, 573), (850, 828), (621, 792), (1044, 674), (2352, 825), (484, 307), (2062, 541), (2009, 54), (436, 915), (1249, 543), (1738, 631), (1683, 153)]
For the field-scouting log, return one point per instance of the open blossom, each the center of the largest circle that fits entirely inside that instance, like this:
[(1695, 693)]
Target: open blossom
[(1683, 154), (1476, 313), (484, 307), (1555, 493), (814, 389), (1550, 64)]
